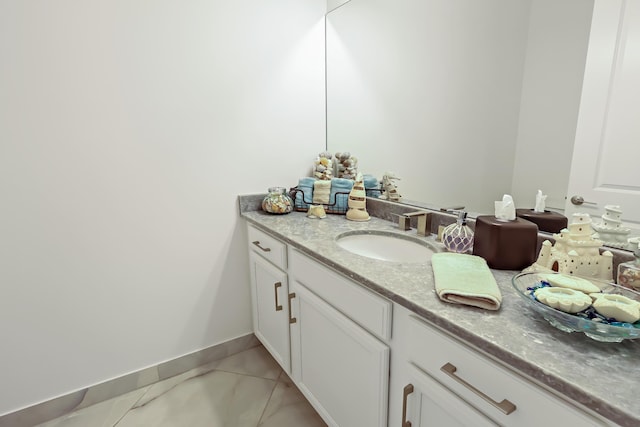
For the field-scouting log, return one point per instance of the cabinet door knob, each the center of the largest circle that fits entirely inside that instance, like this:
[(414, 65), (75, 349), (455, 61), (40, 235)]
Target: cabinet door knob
[(257, 243), (408, 389), (292, 295), (505, 406), (275, 291)]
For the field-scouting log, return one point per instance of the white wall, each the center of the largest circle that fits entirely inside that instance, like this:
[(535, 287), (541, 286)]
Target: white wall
[(127, 129), (551, 90)]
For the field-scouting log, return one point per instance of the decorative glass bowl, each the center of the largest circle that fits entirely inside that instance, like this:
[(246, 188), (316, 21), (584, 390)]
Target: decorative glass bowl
[(597, 330)]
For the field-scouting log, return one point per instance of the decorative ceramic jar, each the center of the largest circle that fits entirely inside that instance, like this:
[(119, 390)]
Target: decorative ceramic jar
[(277, 201)]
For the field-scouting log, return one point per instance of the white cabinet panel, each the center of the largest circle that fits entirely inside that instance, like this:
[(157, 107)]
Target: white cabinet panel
[(270, 309), (364, 307), (342, 369), (429, 404)]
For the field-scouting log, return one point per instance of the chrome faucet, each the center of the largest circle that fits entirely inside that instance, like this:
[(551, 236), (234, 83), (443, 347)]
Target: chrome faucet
[(424, 222)]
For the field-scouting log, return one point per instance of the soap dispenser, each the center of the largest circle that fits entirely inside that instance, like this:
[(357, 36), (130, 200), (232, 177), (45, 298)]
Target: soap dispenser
[(458, 237)]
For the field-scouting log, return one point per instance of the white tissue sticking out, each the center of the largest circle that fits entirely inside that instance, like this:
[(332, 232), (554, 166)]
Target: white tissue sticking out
[(540, 202), (505, 209)]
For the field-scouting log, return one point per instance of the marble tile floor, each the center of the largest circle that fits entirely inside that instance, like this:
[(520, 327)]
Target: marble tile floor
[(247, 389)]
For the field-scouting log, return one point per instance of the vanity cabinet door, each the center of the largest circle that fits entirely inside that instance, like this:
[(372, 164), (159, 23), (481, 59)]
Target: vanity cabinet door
[(270, 309), (426, 403), (342, 369)]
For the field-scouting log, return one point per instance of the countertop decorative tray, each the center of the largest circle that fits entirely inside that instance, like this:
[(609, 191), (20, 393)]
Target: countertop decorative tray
[(587, 321)]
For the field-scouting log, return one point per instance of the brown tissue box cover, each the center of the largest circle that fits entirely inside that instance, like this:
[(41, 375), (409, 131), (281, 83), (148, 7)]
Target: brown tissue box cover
[(505, 245)]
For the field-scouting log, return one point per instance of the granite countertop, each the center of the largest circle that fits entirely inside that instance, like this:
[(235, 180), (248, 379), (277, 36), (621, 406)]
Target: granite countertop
[(600, 376)]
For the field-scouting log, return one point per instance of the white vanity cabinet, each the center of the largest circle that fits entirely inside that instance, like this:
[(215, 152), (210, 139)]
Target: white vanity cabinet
[(337, 362), (270, 295), (357, 367), (327, 332), (443, 379)]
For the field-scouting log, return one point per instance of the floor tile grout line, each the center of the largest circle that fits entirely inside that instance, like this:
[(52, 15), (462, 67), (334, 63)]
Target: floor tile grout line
[(264, 410), (147, 388), (75, 409), (244, 374), (133, 406), (275, 383)]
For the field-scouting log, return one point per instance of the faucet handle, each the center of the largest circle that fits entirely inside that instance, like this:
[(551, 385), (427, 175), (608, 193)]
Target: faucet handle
[(424, 221), (404, 221)]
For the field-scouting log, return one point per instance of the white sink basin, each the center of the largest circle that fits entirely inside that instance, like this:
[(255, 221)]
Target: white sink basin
[(386, 246)]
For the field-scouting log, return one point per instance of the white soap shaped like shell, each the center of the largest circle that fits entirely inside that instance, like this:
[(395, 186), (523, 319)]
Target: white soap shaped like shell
[(619, 307), (563, 299), (571, 282)]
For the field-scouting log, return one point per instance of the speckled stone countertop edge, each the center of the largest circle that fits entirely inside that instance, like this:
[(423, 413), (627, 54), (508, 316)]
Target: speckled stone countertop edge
[(458, 333), (571, 388)]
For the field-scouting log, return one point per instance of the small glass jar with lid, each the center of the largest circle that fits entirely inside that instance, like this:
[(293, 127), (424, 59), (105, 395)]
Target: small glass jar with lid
[(629, 272), (277, 201)]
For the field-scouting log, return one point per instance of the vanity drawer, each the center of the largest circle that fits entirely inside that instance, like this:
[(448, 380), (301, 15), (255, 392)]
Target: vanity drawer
[(481, 381), (268, 247), (362, 306)]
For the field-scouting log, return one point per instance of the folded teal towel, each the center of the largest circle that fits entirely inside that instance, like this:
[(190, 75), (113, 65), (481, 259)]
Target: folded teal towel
[(342, 183), (370, 181), (339, 201), (371, 185), (307, 181), (465, 279), (304, 197)]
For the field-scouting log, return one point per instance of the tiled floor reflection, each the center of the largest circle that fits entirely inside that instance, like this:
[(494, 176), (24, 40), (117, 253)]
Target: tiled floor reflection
[(247, 389)]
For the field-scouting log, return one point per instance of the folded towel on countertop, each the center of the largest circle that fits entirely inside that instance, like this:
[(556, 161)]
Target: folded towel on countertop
[(370, 181), (342, 184), (339, 202), (321, 190), (465, 279), (304, 197), (371, 185)]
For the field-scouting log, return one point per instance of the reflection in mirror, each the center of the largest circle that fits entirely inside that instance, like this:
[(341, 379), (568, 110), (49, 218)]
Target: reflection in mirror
[(465, 100), (334, 4)]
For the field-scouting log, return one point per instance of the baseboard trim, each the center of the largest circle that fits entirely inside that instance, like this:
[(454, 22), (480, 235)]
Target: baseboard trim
[(59, 406)]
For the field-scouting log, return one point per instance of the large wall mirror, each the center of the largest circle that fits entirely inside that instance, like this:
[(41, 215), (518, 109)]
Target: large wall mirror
[(465, 100)]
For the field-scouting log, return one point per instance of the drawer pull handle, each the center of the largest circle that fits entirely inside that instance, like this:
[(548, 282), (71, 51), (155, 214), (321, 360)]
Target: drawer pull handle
[(505, 406), (408, 389), (275, 291), (257, 243), (292, 295)]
